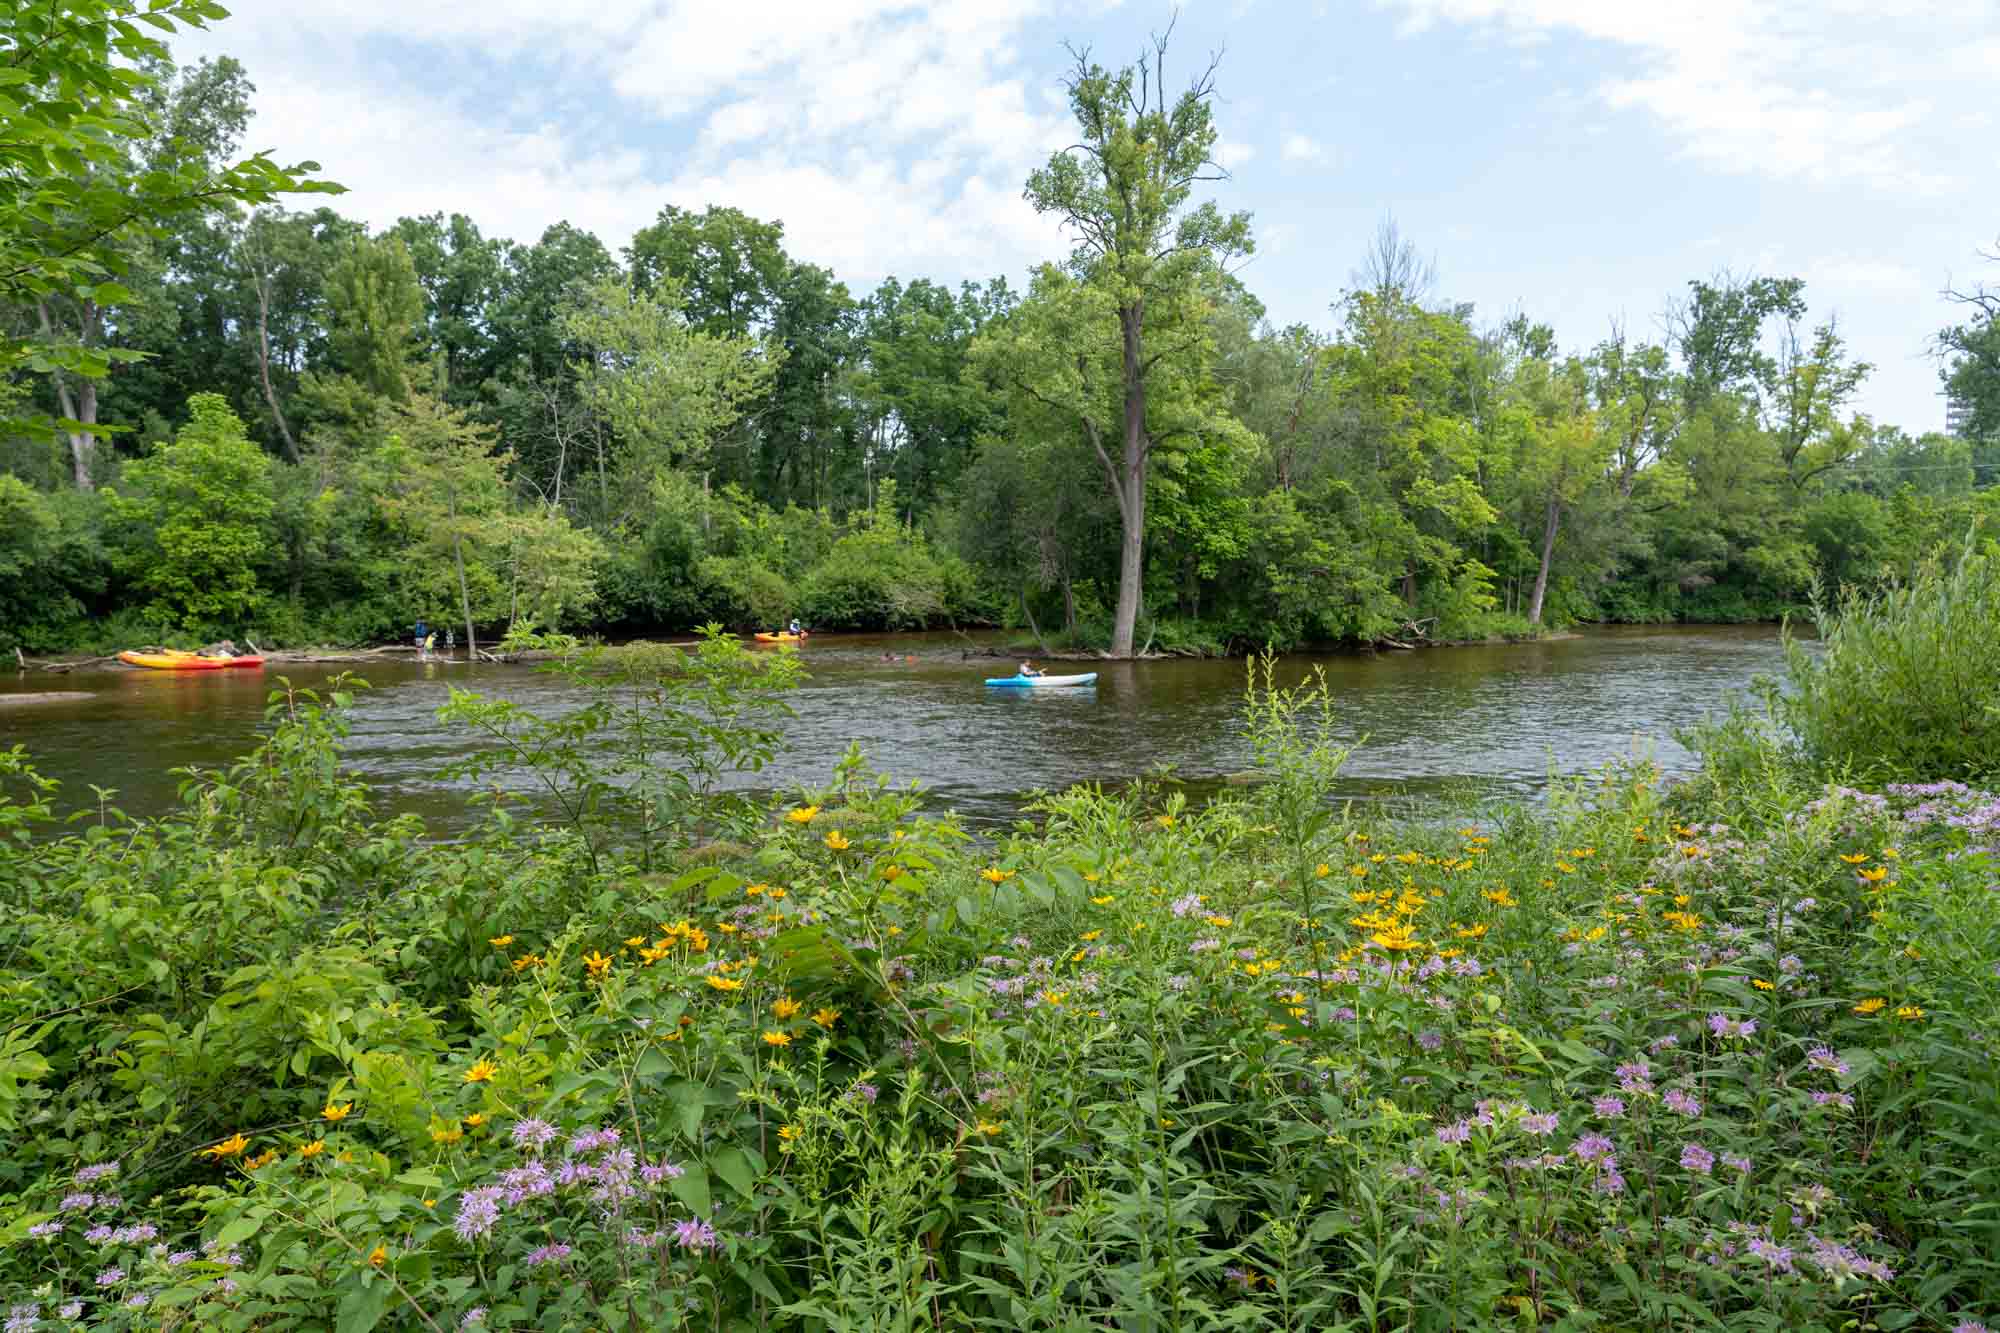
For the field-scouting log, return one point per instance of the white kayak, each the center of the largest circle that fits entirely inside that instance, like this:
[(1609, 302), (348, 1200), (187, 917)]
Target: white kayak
[(1040, 682)]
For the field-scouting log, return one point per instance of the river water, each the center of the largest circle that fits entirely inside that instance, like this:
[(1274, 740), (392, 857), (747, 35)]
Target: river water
[(1497, 718)]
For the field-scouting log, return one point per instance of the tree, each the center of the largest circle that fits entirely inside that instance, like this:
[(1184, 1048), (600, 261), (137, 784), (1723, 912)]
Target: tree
[(199, 506), (1970, 365), (376, 307), (83, 80), (1123, 191)]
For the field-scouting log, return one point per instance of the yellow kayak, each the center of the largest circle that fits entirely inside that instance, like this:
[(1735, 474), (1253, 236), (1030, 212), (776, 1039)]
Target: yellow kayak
[(780, 637), (173, 660)]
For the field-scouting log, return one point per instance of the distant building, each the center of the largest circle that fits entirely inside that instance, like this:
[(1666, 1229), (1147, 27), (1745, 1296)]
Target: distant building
[(1957, 417)]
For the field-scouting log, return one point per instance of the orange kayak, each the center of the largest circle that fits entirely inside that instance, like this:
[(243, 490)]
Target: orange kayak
[(177, 661), (780, 637)]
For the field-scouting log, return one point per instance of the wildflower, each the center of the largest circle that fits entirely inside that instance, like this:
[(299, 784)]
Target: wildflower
[(777, 1038), (1696, 1158), (85, 1175), (1962, 1326), (261, 1160), (1823, 1057), (1779, 1257), (1054, 998), (1872, 1005), (478, 1210), (1737, 1163), (1322, 870), (74, 1310), (986, 1127), (1540, 1124), (528, 960), (1762, 984), (1608, 1107), (447, 1136), (787, 1133), (825, 1017), (1457, 1132), (785, 1006), (658, 1173), (1909, 1013), (230, 1147), (41, 1229), (111, 1277), (1430, 1041), (597, 965), (804, 814), (379, 1255), (694, 1234), (1090, 935), (313, 1149), (1724, 1026), (337, 1112), (995, 875), (476, 1315), (722, 983), (75, 1203), (836, 842), (1873, 874), (1188, 904), (1164, 821), (1854, 858), (892, 872), (1103, 900), (482, 1071), (1681, 1103), (1591, 1147), (533, 1134), (547, 1254)]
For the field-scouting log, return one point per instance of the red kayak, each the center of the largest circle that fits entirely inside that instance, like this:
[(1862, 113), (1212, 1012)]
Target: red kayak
[(179, 661)]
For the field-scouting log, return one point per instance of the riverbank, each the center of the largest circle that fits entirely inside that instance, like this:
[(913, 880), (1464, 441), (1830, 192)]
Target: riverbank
[(1264, 1062)]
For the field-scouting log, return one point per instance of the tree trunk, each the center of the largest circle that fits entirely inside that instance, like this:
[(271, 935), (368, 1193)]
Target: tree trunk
[(1130, 482), (81, 408), (1029, 615), (264, 365), (1549, 523)]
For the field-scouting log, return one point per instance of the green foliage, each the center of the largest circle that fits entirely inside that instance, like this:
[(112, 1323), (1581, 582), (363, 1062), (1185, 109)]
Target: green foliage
[(1904, 684), (199, 507)]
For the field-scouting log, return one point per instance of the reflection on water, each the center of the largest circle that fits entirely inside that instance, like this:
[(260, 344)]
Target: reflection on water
[(1502, 717)]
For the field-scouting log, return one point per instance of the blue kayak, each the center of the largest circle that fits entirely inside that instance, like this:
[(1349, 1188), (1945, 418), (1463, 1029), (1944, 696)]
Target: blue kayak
[(1039, 682)]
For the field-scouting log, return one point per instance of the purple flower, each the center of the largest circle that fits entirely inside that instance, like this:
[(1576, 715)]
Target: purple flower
[(1188, 904), (1736, 1163), (1839, 1262), (1663, 1043), (1591, 1147), (1610, 1108), (1608, 1180), (533, 1135), (137, 1300), (75, 1203), (1823, 1057), (1635, 1077), (867, 1092), (1204, 945), (1779, 1257), (476, 1315), (660, 1172), (1969, 1326), (694, 1234), (478, 1210), (1681, 1104), (1539, 1124), (1724, 1026), (110, 1277), (23, 1318), (45, 1229), (1344, 1015), (548, 1254), (179, 1257), (1845, 1101), (1697, 1159), (134, 1235), (593, 1140), (1457, 1132), (1430, 1041), (99, 1234), (526, 1182), (98, 1172)]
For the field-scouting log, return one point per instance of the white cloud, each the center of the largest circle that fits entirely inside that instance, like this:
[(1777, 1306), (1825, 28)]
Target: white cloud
[(1232, 153), (1823, 91), (886, 135), (1302, 148)]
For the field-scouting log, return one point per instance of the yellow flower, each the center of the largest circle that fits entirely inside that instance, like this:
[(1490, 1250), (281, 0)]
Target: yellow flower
[(1473, 932), (785, 1007), (313, 1149), (1054, 998), (482, 1071), (1890, 854), (379, 1255), (1103, 900), (1874, 874), (788, 1132), (1762, 984), (527, 960), (262, 1159), (995, 875), (987, 1127), (1165, 821), (501, 941), (1217, 921), (597, 965), (723, 983), (804, 814), (229, 1147), (1323, 870), (1872, 1005), (777, 893), (1855, 859), (337, 1112), (754, 890), (452, 1135), (1909, 1013), (825, 1017), (836, 842), (777, 1038), (636, 942), (1091, 877), (475, 1120), (1090, 935), (892, 873)]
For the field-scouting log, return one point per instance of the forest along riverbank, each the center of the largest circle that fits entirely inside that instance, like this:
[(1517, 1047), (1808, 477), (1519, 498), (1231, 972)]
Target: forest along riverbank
[(1498, 717)]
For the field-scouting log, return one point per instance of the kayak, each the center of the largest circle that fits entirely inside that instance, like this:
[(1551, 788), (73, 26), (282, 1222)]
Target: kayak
[(1040, 682), (780, 637), (179, 661)]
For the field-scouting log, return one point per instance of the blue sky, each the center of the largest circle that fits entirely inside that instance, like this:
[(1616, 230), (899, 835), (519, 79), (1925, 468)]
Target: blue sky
[(1575, 160)]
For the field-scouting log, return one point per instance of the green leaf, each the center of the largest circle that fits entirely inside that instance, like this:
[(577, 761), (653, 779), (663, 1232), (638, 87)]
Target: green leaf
[(691, 1188), (735, 1168), (362, 1306)]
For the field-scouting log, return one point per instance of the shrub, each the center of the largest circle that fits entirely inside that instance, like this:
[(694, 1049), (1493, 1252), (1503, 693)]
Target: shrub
[(1906, 682)]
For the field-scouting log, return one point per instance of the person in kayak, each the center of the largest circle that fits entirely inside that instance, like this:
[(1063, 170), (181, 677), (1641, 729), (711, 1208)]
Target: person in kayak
[(795, 625), (1030, 669)]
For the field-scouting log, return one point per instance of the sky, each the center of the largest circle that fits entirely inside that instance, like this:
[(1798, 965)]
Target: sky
[(1577, 161)]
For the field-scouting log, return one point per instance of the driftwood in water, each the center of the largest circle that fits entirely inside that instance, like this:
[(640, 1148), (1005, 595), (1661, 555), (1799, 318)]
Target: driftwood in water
[(43, 697)]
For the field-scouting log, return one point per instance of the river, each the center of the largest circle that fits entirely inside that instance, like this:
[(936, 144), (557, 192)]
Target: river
[(1496, 718)]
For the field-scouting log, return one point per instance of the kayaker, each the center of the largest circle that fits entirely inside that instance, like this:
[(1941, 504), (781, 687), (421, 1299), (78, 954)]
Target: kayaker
[(1030, 669), (795, 626)]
